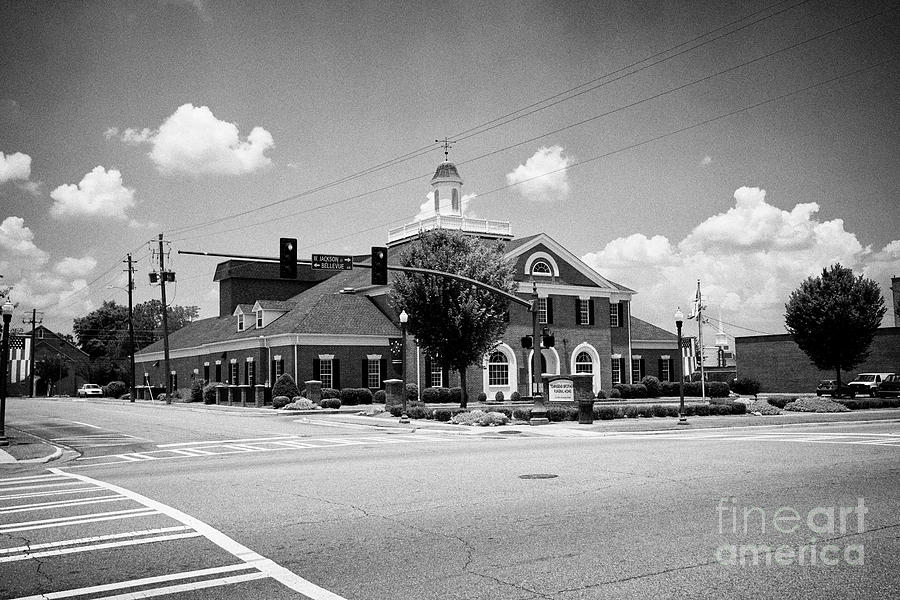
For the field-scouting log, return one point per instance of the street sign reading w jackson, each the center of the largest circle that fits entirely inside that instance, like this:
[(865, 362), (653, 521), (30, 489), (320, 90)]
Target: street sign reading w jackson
[(332, 262)]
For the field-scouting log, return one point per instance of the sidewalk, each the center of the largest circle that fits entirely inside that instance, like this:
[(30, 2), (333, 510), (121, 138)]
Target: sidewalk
[(26, 448)]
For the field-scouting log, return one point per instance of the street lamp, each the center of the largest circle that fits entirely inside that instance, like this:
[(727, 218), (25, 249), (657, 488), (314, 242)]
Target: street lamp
[(679, 321), (7, 309), (404, 319)]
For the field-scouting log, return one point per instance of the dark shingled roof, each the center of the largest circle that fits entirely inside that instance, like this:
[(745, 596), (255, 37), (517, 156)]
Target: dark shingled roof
[(284, 305), (446, 170), (644, 331)]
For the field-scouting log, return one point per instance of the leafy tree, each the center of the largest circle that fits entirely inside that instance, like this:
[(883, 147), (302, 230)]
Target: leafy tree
[(50, 370), (833, 318), (456, 323)]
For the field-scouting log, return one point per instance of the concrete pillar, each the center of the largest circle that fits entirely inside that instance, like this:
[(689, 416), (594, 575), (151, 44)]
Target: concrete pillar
[(393, 392), (232, 394), (260, 396), (314, 391)]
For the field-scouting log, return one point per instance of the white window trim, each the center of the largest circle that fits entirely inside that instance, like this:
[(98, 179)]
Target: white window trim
[(595, 357), (513, 375), (534, 257)]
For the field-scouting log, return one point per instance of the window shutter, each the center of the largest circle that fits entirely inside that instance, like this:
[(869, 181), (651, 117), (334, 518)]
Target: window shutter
[(427, 371), (578, 311), (383, 371), (336, 373), (317, 369), (445, 377), (549, 310), (364, 370), (590, 311), (641, 370)]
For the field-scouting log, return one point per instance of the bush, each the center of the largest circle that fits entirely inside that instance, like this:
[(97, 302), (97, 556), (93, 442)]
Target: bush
[(354, 396), (438, 395), (478, 417), (864, 403), (781, 400), (115, 389), (693, 389), (455, 395), (614, 394), (482, 397), (280, 401), (285, 386), (331, 403), (442, 414), (817, 405), (412, 392), (629, 390), (418, 412), (606, 413), (746, 386), (177, 395), (764, 408), (515, 396), (366, 396), (300, 403), (331, 393), (209, 392), (631, 411), (717, 389), (669, 389), (196, 391), (601, 395), (522, 414), (379, 397), (652, 385), (562, 413), (499, 397)]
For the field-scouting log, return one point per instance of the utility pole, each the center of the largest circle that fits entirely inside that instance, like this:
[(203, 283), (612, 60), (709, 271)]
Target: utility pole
[(34, 322), (700, 308), (165, 320), (130, 328)]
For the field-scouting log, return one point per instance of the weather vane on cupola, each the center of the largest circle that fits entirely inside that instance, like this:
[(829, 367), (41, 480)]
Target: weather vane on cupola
[(447, 144)]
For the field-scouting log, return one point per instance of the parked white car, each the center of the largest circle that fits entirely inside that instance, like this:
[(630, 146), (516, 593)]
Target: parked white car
[(867, 383), (90, 389)]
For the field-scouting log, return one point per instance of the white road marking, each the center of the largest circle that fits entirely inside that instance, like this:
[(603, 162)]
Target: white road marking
[(95, 589), (58, 504), (28, 478), (267, 566), (86, 424), (265, 439), (94, 538), (51, 493), (146, 540), (77, 520)]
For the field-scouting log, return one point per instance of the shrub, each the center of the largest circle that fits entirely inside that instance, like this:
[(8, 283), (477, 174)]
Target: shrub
[(692, 388), (418, 412), (196, 393), (395, 409), (499, 397), (664, 410), (669, 389), (614, 394), (493, 418), (522, 414), (285, 386), (606, 413), (631, 411), (652, 385), (455, 395), (478, 417), (177, 395), (366, 396), (412, 392), (331, 393), (780, 400), (864, 403), (601, 395), (746, 386), (442, 414), (280, 401), (818, 405), (717, 389), (300, 403), (379, 397), (763, 408), (506, 411), (331, 403), (209, 392), (115, 389), (482, 397), (562, 413), (628, 390), (437, 395), (354, 396)]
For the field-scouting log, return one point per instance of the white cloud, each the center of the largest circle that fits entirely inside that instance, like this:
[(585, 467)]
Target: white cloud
[(101, 193), (193, 141), (426, 209), (748, 260), (706, 160), (14, 167), (17, 243), (75, 267), (543, 177)]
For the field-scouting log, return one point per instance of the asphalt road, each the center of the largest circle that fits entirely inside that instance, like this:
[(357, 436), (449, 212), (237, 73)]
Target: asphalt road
[(208, 504)]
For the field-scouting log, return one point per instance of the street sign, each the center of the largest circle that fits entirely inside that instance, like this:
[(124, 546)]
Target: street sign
[(332, 262)]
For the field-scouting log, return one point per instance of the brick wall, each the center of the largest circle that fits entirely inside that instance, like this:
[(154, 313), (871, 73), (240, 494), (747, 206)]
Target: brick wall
[(780, 366)]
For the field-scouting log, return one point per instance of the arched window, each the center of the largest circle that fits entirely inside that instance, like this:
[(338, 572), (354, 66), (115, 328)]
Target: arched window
[(437, 200), (454, 195), (583, 363), (541, 267), (498, 369)]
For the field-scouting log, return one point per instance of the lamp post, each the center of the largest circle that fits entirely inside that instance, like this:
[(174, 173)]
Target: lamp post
[(679, 321), (404, 319), (4, 361)]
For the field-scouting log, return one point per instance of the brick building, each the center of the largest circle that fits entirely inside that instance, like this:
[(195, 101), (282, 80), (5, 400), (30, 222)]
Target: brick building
[(337, 328)]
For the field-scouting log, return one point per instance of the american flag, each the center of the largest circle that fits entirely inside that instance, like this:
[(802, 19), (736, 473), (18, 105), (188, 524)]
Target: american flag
[(19, 358)]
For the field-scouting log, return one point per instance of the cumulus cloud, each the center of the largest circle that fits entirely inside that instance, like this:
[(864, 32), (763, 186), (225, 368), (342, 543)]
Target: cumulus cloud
[(193, 141), (706, 160), (34, 281), (100, 193), (543, 177), (748, 260), (426, 209), (14, 167)]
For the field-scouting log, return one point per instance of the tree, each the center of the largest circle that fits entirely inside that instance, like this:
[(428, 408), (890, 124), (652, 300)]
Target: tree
[(454, 322), (50, 370), (833, 318)]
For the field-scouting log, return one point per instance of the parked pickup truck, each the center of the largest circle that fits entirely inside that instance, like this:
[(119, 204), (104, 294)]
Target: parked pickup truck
[(889, 387), (867, 383), (90, 389), (829, 387)]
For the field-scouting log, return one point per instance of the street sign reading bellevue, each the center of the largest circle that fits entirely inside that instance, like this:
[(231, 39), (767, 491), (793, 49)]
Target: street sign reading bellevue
[(332, 262)]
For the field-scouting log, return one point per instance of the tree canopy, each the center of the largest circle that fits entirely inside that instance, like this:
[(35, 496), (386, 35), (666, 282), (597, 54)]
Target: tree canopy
[(834, 317), (454, 322)]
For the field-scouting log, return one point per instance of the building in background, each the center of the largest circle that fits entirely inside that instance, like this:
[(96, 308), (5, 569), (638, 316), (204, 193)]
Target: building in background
[(60, 367)]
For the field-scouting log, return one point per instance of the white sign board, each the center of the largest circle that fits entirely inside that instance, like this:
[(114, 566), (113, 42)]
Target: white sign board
[(561, 390)]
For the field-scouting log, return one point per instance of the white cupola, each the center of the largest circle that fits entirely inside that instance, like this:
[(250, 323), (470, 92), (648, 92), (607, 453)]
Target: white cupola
[(446, 185)]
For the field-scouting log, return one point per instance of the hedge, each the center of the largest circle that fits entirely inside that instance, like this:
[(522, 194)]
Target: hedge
[(285, 386)]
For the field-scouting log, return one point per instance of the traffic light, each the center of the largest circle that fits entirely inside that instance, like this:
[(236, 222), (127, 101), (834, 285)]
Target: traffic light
[(288, 258), (548, 340), (379, 265), (527, 342), (154, 277)]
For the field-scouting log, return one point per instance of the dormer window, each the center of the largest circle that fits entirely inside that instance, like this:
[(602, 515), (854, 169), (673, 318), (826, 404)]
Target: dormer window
[(240, 321), (541, 268), (259, 319)]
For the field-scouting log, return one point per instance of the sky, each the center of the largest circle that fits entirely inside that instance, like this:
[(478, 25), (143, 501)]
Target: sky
[(744, 144)]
